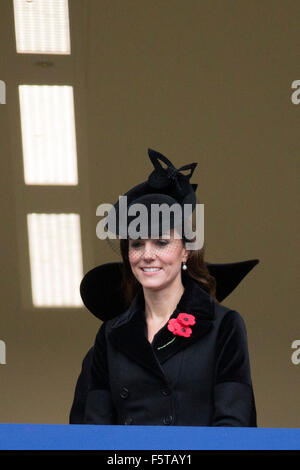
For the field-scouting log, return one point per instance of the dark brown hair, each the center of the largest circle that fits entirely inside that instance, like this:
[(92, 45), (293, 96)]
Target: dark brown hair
[(196, 268)]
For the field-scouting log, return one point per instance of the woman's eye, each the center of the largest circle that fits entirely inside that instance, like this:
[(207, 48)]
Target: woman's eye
[(162, 242), (138, 244), (135, 245)]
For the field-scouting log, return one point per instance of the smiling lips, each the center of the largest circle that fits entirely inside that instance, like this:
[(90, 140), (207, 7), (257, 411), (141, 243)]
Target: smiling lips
[(153, 270)]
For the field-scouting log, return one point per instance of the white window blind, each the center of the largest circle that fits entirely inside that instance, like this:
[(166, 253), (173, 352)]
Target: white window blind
[(42, 26), (55, 259), (48, 134)]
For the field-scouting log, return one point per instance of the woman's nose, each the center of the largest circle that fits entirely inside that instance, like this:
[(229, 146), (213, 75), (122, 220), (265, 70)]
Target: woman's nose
[(148, 251)]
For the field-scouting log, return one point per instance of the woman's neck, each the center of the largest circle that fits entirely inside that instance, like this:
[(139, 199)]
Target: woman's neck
[(160, 304)]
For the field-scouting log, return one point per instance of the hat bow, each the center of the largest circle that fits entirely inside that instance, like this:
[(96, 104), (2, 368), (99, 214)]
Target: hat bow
[(163, 177)]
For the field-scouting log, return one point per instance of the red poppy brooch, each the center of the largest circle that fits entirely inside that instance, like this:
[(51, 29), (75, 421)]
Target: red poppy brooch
[(181, 325)]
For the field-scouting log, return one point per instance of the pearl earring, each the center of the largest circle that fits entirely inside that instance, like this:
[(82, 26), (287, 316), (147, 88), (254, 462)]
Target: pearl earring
[(184, 266)]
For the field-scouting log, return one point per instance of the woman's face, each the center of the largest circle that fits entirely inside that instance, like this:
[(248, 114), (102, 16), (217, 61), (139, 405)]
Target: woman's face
[(157, 262)]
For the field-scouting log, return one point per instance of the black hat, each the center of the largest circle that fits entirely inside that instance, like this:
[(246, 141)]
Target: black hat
[(108, 301), (165, 185)]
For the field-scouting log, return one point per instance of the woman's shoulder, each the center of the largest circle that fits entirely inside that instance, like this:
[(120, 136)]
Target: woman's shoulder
[(225, 314), (105, 328), (114, 321)]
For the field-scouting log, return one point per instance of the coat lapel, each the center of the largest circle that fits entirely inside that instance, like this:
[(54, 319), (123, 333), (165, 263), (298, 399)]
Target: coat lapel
[(129, 332)]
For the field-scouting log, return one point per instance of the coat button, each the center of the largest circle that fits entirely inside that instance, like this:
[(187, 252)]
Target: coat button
[(165, 392), (168, 419), (124, 393), (128, 420)]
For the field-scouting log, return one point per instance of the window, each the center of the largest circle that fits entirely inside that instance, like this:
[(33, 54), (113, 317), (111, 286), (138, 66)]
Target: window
[(42, 26), (48, 134), (55, 259)]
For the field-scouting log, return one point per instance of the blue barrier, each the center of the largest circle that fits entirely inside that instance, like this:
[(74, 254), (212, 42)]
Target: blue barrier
[(91, 437)]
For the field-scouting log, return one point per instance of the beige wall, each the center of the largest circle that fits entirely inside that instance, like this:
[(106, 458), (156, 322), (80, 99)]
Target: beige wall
[(206, 81)]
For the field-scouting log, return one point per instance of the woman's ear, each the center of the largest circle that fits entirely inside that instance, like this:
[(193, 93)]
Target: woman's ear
[(187, 254)]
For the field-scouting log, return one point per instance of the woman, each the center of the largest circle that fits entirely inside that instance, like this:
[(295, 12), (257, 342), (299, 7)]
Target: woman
[(176, 356), (156, 265)]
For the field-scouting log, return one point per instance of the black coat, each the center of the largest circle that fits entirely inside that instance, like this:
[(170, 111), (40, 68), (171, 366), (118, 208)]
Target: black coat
[(201, 380)]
